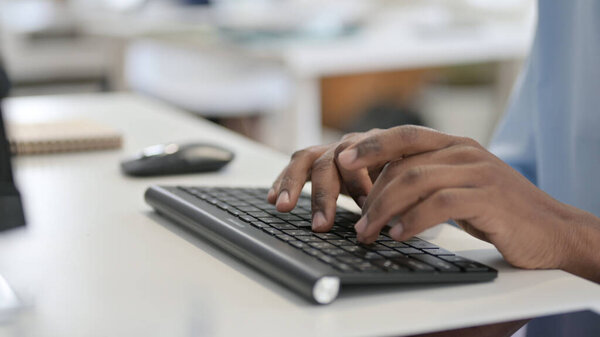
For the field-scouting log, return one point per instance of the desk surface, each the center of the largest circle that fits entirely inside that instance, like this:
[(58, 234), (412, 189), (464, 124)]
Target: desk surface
[(95, 261)]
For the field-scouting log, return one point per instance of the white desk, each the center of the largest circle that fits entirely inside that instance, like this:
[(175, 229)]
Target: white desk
[(393, 38), (95, 261)]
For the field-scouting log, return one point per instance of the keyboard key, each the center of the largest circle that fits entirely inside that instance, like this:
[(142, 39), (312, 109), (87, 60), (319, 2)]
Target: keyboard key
[(409, 251), (354, 249), (454, 258), (259, 224), (395, 244), (247, 218), (413, 264), (340, 242), (234, 211), (298, 244), (222, 205), (282, 226), (350, 259), (372, 256), (390, 253), (284, 237), (378, 247), (437, 251), (340, 229), (321, 245), (335, 251), (325, 258), (366, 267), (272, 231), (388, 265), (311, 251), (308, 238), (289, 217), (238, 203), (418, 243), (271, 220), (297, 232), (302, 224), (327, 236), (439, 264), (260, 214), (342, 267), (248, 209)]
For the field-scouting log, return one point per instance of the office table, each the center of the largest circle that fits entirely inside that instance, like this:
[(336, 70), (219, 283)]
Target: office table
[(94, 259)]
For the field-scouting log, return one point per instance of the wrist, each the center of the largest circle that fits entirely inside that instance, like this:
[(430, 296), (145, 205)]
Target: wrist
[(580, 236)]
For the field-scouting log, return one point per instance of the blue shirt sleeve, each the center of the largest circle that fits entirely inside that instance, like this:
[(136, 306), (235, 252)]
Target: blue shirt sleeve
[(514, 139)]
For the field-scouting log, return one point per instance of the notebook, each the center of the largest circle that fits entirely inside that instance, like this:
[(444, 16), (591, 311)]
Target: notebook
[(62, 136)]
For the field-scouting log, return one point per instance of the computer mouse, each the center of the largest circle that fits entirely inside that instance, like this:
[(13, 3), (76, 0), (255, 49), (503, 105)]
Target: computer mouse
[(172, 158)]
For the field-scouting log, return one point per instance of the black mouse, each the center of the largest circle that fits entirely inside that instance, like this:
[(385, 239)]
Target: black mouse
[(172, 158)]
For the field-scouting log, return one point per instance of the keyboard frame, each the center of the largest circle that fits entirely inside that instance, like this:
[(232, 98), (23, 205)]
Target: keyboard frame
[(278, 259)]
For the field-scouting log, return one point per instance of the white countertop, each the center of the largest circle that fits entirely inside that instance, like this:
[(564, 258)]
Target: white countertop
[(94, 259)]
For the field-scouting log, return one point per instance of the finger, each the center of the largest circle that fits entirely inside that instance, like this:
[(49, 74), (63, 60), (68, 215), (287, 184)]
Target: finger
[(325, 191), (289, 185), (467, 227), (272, 195), (413, 185), (396, 143), (356, 183), (453, 203), (456, 154)]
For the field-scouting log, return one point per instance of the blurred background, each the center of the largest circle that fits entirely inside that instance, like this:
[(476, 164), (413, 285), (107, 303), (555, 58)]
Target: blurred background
[(288, 73)]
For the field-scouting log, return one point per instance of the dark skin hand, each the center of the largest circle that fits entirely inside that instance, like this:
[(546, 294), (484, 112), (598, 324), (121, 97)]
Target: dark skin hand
[(411, 178)]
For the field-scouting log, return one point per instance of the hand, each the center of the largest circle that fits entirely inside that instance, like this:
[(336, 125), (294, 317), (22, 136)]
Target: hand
[(430, 177), (413, 178), (318, 164)]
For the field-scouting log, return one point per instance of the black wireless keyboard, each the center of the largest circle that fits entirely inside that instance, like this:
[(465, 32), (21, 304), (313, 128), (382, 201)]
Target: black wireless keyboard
[(315, 265)]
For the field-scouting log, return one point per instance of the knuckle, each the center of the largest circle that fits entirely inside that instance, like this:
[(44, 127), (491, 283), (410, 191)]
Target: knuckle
[(488, 171), (470, 141), (298, 154), (341, 147), (374, 131), (370, 145), (407, 134), (378, 208), (321, 165), (412, 175), (286, 182), (320, 197), (307, 152), (445, 199), (409, 219), (349, 136)]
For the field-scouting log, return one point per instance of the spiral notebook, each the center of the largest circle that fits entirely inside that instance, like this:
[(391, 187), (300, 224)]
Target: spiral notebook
[(62, 136)]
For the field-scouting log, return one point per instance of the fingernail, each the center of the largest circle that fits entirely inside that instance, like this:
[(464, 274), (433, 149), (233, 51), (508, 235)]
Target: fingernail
[(319, 221), (396, 231), (361, 225), (284, 197), (271, 194), (347, 157), (361, 201)]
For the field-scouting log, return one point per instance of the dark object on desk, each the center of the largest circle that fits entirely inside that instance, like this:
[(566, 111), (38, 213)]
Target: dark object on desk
[(315, 265), (174, 158), (11, 209)]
